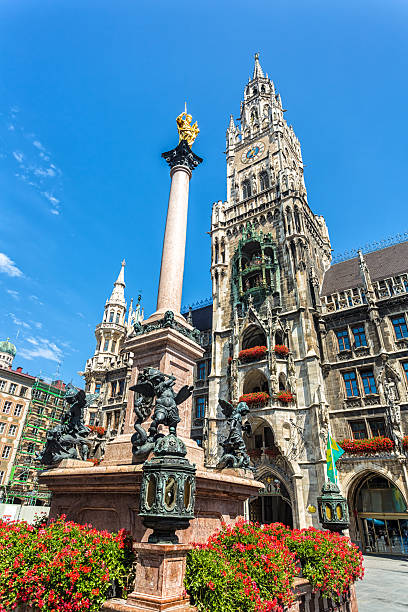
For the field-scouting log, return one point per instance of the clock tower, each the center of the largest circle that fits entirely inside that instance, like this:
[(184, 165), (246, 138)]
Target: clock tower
[(269, 255)]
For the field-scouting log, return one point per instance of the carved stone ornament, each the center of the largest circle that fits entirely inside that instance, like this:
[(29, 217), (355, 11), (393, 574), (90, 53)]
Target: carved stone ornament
[(68, 440), (182, 155), (155, 385), (234, 452), (168, 321)]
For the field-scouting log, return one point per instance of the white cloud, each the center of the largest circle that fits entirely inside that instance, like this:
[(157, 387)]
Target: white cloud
[(53, 211), (19, 322), (11, 127), (41, 347), (38, 145), (18, 156), (50, 197), (36, 299), (14, 294), (7, 266)]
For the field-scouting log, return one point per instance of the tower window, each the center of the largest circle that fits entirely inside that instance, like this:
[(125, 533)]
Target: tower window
[(400, 327), (97, 388), (111, 316), (246, 189), (343, 340), (367, 377), (264, 180), (200, 407), (105, 346), (117, 318), (350, 382)]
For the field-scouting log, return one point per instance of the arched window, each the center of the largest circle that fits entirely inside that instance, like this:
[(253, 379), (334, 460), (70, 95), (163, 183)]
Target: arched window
[(263, 88), (246, 189), (111, 314), (117, 318), (264, 180), (282, 382)]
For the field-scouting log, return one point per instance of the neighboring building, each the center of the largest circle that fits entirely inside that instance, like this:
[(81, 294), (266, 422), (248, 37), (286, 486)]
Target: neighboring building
[(201, 318), (44, 412), (15, 396), (334, 338), (107, 373)]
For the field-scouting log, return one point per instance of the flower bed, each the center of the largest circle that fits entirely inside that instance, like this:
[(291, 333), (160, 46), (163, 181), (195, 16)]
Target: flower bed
[(252, 568), (285, 396), (405, 442), (260, 397), (255, 453), (281, 349), (367, 446), (253, 354), (62, 567)]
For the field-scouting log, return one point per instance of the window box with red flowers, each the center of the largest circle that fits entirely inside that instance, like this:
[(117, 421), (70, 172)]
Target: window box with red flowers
[(260, 397), (99, 430), (271, 452), (254, 353), (285, 396), (367, 446), (405, 443), (281, 350), (255, 453)]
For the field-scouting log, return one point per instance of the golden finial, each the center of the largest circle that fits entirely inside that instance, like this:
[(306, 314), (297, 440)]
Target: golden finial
[(187, 131)]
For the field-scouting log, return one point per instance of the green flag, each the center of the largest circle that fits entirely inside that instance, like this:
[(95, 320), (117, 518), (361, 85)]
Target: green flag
[(333, 453)]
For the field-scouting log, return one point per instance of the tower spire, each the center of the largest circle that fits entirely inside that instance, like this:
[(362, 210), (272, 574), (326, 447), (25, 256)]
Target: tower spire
[(118, 293), (258, 72)]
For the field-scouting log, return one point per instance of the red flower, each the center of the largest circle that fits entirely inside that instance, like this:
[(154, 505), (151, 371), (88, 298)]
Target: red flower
[(281, 349), (367, 446), (285, 396), (211, 585), (253, 354), (260, 397)]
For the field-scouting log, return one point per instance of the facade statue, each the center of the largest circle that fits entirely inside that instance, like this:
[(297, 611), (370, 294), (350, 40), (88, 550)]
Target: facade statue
[(155, 385), (68, 440), (187, 131), (234, 450)]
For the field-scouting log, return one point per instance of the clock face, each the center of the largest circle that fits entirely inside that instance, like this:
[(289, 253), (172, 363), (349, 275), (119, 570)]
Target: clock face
[(253, 152)]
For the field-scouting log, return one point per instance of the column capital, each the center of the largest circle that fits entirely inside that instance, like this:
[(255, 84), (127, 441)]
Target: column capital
[(182, 155)]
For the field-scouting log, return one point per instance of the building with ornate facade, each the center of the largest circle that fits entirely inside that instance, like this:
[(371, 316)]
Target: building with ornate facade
[(312, 347), (107, 372)]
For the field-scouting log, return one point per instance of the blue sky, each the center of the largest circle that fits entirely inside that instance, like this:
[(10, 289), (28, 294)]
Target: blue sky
[(89, 92)]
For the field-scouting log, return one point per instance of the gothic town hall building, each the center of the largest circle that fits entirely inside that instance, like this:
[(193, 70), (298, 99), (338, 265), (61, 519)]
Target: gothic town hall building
[(333, 339), (312, 346)]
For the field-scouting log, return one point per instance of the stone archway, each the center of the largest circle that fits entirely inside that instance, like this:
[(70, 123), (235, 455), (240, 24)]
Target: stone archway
[(378, 513), (255, 380), (253, 335)]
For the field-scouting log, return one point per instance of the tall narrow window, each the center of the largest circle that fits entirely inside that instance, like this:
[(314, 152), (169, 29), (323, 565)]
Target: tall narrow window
[(200, 407), (264, 180), (2, 427), (2, 385), (7, 407), (246, 189), (111, 316), (359, 336), (405, 366), (350, 382), (12, 430), (13, 388), (105, 346), (97, 388), (118, 318), (367, 377), (201, 370), (6, 452), (400, 327), (343, 340), (18, 409)]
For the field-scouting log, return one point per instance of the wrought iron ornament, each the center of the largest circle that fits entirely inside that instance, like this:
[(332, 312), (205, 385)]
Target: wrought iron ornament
[(68, 440), (234, 453)]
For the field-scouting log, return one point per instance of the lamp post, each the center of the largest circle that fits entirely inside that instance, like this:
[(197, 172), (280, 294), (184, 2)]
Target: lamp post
[(333, 509)]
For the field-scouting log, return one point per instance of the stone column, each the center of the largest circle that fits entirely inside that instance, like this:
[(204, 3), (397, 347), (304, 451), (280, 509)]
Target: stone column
[(174, 243), (182, 162)]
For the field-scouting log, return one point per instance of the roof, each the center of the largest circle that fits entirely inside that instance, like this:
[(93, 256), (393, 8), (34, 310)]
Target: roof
[(391, 261), (202, 317)]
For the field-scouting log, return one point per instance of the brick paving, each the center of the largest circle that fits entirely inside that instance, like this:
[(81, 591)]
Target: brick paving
[(385, 585)]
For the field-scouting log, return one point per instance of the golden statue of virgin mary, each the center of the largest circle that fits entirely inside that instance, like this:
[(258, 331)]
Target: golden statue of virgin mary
[(187, 131)]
